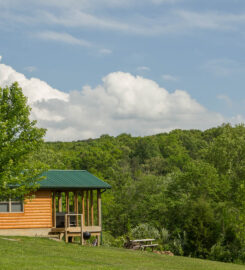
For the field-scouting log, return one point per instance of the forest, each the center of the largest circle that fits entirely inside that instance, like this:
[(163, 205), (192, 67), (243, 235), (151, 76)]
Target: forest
[(186, 188)]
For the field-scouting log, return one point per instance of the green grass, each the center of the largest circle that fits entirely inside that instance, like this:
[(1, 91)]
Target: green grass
[(44, 254)]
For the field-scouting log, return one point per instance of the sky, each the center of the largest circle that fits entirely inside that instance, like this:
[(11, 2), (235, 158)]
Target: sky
[(93, 67)]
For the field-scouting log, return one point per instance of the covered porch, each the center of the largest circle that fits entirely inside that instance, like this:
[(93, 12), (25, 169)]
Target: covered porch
[(76, 203), (77, 212)]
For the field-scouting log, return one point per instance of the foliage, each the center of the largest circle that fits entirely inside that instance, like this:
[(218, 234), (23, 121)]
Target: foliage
[(19, 139), (164, 235), (144, 231), (219, 253), (110, 241), (190, 182)]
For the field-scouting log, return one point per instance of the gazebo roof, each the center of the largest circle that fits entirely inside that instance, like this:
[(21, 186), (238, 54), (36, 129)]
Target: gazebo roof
[(71, 179)]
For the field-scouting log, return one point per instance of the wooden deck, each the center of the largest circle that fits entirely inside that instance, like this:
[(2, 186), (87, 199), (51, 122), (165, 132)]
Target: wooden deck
[(71, 220), (70, 231)]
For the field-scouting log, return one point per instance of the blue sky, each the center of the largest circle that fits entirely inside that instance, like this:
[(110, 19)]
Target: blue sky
[(191, 45)]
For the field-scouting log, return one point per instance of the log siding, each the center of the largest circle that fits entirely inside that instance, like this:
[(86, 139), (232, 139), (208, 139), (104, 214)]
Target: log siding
[(37, 213)]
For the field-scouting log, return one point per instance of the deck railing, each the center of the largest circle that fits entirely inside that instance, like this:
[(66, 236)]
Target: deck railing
[(73, 230)]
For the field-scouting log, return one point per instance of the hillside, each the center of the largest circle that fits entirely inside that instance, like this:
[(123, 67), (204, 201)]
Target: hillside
[(37, 254), (184, 188)]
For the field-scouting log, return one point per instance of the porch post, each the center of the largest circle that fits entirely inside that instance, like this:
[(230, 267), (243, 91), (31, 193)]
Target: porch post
[(83, 208), (99, 207), (76, 205), (99, 215), (87, 195), (60, 201), (92, 207), (67, 202), (54, 209), (82, 241), (67, 208)]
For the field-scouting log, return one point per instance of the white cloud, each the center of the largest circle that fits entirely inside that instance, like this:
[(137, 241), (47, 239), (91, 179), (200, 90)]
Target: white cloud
[(223, 67), (143, 68), (159, 2), (85, 4), (0, 58), (34, 89), (75, 18), (226, 99), (90, 14), (30, 69), (69, 39), (105, 51), (122, 103), (63, 37), (237, 119), (211, 20), (168, 77), (173, 21)]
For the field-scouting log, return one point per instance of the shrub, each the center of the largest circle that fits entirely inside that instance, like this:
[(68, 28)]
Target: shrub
[(164, 236), (145, 230), (176, 247), (109, 241), (219, 253)]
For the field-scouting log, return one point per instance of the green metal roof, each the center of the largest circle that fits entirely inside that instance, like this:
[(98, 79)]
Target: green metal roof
[(71, 179)]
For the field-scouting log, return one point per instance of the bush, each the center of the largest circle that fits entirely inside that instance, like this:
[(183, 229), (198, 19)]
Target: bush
[(109, 241), (164, 236), (219, 253), (241, 257), (145, 230), (176, 247)]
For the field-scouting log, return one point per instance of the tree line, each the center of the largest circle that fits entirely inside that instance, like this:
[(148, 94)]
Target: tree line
[(188, 185)]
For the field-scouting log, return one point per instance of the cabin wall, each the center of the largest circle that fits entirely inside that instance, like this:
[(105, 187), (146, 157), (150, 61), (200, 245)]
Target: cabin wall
[(37, 213)]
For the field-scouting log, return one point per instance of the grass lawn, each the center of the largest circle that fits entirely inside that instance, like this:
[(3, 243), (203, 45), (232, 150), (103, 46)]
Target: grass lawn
[(39, 253)]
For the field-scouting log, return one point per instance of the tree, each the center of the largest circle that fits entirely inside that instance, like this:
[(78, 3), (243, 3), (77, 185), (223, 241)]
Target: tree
[(19, 139)]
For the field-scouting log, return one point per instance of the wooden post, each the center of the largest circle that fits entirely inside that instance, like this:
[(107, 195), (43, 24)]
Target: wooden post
[(66, 234), (76, 206), (67, 202), (83, 208), (82, 229), (54, 209), (68, 207), (88, 220), (92, 207), (99, 207), (60, 201)]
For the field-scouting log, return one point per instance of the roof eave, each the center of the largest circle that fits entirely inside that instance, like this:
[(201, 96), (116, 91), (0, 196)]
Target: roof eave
[(72, 188)]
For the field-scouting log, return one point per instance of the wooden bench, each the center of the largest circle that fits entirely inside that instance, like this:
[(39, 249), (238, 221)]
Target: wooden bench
[(143, 247)]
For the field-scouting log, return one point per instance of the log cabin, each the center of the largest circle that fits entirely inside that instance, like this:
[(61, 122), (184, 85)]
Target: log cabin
[(67, 203)]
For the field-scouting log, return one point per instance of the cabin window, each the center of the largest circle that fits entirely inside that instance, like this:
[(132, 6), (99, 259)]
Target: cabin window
[(11, 206), (4, 207)]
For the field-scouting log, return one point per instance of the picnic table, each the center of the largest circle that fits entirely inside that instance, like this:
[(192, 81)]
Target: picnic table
[(143, 243)]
